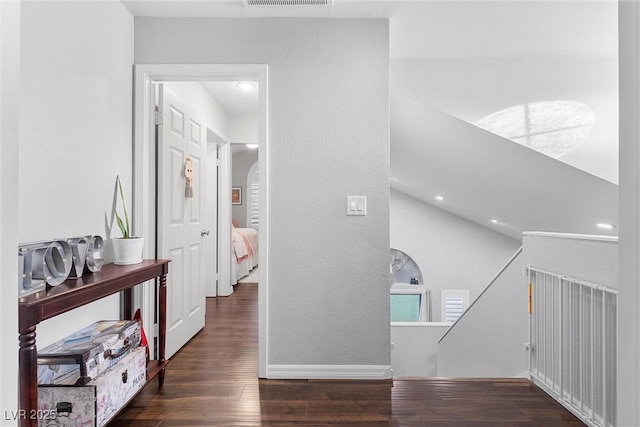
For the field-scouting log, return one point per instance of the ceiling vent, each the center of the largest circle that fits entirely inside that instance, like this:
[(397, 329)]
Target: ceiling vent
[(252, 3)]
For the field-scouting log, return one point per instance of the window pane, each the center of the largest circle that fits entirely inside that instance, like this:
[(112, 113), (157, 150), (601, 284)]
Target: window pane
[(405, 308)]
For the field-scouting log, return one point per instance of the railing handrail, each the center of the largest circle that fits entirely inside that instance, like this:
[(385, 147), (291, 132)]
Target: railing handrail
[(491, 282), (570, 236), (565, 278)]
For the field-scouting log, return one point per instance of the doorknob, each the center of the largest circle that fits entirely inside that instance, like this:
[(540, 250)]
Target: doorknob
[(204, 233)]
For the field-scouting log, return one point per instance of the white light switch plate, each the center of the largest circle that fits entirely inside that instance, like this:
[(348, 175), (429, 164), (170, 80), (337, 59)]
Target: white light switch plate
[(356, 205)]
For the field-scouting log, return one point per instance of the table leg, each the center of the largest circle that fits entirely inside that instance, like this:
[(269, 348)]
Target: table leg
[(28, 387), (162, 326), (127, 304)]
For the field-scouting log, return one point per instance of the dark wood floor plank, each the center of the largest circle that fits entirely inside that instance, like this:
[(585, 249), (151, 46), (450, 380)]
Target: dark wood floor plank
[(213, 381)]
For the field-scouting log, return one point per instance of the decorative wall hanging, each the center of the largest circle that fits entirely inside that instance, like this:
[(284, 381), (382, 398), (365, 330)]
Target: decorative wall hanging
[(236, 195), (188, 173), (52, 262)]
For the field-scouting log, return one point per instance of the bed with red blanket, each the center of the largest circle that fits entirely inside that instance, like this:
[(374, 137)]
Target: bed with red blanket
[(245, 250)]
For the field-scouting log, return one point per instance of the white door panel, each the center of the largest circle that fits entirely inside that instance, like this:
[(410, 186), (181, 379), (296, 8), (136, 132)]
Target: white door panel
[(181, 218), (195, 210), (176, 290)]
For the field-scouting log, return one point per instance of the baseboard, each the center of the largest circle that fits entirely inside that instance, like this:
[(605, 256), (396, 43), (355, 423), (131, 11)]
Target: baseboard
[(333, 372)]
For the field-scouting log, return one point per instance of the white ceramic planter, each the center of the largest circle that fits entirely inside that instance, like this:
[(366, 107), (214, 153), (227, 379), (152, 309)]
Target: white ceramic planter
[(127, 251)]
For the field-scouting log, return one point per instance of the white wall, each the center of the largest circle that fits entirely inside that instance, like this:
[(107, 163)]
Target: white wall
[(244, 129), (9, 137), (328, 138), (590, 258), (241, 163), (415, 349), (452, 253), (75, 129), (628, 363), (488, 340)]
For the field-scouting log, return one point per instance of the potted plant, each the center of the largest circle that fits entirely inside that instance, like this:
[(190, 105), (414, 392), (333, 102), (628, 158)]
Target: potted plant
[(126, 249)]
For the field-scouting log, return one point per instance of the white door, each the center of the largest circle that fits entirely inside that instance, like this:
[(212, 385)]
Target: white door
[(181, 219)]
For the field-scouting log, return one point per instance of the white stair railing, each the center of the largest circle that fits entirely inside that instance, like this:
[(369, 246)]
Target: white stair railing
[(573, 344)]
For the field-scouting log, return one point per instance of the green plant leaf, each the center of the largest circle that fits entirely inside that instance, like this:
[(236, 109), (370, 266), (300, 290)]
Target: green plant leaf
[(123, 225), (124, 230)]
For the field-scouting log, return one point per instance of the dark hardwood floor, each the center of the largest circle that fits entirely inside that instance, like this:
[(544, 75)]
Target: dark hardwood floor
[(213, 381)]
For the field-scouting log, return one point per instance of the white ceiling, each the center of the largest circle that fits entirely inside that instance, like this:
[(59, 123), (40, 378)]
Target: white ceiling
[(482, 176), (236, 101)]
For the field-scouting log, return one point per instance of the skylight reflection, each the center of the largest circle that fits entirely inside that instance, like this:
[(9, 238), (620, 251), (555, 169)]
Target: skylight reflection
[(553, 128)]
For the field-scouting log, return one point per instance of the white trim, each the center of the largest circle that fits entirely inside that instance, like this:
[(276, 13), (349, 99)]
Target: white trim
[(225, 287), (263, 294), (589, 237), (330, 372), (143, 197), (143, 179), (420, 324)]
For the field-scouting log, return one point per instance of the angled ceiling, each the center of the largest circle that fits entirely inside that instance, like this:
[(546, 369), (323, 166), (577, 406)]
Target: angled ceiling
[(453, 61), (482, 176)]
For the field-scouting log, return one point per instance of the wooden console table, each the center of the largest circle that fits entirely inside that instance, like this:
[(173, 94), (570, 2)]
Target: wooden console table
[(74, 293)]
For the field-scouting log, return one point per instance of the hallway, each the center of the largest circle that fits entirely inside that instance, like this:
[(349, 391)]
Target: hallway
[(212, 381)]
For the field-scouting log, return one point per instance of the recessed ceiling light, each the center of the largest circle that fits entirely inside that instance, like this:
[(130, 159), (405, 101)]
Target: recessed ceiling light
[(251, 146), (439, 198), (606, 226), (495, 221), (246, 85)]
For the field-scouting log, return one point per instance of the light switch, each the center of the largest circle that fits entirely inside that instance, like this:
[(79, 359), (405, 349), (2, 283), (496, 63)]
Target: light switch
[(356, 205)]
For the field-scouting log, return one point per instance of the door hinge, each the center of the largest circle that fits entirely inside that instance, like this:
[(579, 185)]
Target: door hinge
[(158, 117)]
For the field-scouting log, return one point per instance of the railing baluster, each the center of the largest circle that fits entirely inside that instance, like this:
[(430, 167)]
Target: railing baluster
[(603, 349), (552, 347), (592, 351), (571, 352), (544, 326), (560, 335), (570, 318), (581, 347)]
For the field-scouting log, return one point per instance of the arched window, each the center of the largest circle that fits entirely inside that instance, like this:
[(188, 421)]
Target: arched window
[(253, 198), (554, 128)]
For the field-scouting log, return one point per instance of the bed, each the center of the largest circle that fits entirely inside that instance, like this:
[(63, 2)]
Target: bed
[(245, 251)]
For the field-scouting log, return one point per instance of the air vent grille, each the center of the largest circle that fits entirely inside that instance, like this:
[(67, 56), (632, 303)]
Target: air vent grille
[(251, 3)]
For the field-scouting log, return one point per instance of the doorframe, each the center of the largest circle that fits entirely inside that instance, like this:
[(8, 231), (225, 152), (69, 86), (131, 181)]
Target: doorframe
[(144, 169), (224, 217)]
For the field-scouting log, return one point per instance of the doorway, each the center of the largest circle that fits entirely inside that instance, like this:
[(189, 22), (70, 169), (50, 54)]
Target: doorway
[(144, 168)]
